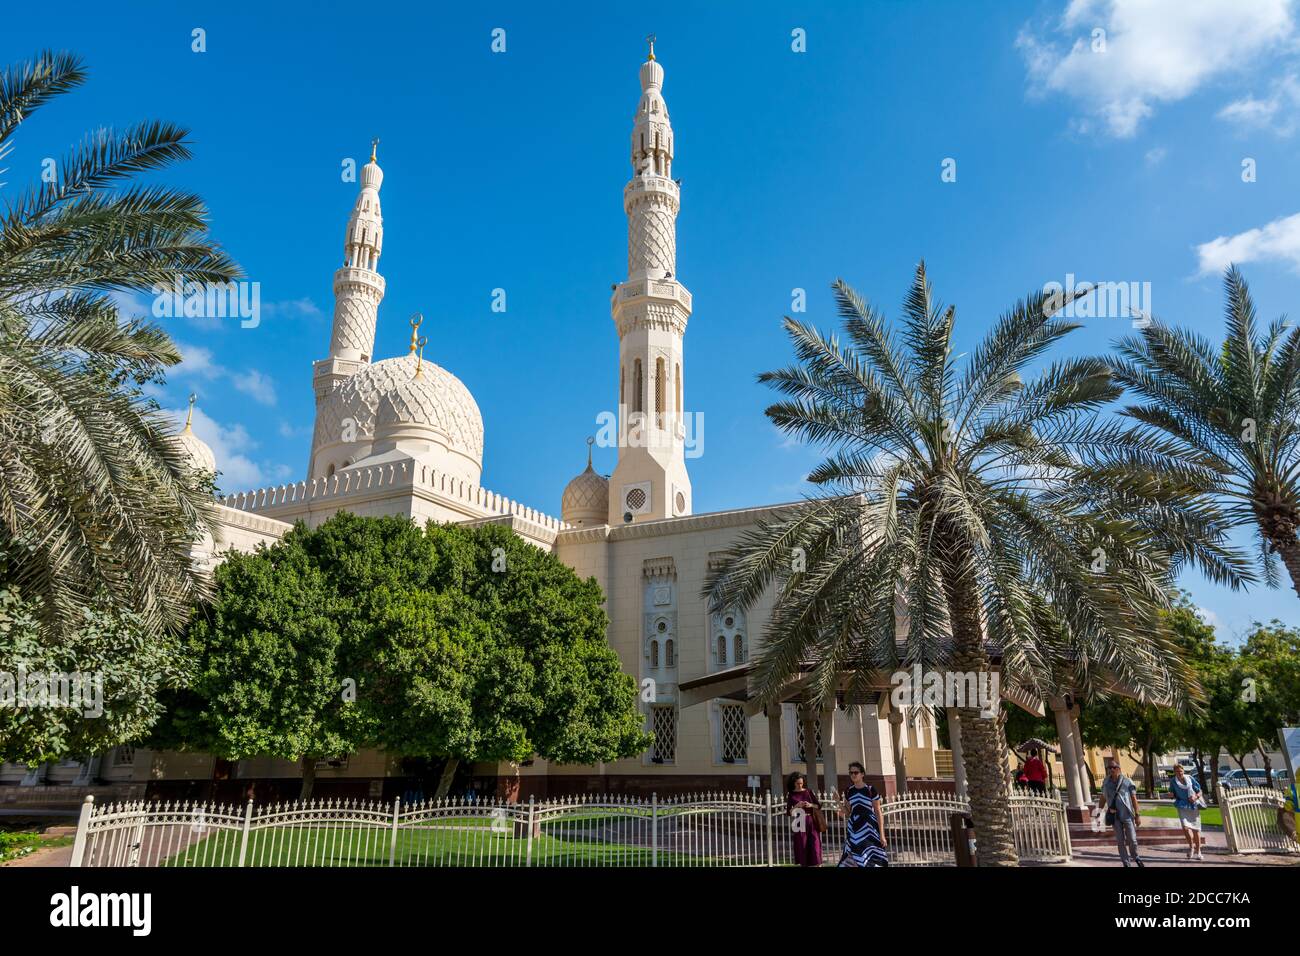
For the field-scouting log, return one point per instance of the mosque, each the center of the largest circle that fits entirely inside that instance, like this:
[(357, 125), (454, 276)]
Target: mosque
[(402, 435)]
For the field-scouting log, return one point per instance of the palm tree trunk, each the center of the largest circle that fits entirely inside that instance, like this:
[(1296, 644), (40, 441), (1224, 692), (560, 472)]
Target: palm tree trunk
[(983, 745), (1288, 547)]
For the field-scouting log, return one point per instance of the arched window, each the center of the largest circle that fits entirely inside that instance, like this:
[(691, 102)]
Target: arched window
[(638, 383), (622, 392), (654, 653), (740, 649), (677, 408), (670, 659), (331, 471), (722, 649), (660, 387)]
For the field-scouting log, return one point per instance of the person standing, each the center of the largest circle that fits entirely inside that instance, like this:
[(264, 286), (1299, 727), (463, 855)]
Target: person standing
[(1189, 801), (865, 843), (1119, 796), (1035, 773), (806, 821)]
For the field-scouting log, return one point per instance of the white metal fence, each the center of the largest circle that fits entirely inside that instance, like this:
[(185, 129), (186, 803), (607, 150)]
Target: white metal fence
[(722, 829), (1254, 820)]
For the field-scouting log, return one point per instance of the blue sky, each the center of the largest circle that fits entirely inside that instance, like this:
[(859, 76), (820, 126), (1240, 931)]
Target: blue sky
[(505, 170)]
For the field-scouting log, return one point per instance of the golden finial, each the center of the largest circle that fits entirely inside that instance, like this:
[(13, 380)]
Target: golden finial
[(374, 148), (190, 416), (590, 441), (415, 328), (650, 39), (419, 356)]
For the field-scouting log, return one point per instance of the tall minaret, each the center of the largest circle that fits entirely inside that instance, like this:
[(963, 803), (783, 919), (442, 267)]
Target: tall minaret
[(358, 289), (650, 311)]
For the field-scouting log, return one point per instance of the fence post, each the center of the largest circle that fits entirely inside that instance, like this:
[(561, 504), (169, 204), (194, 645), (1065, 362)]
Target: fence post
[(243, 837), (392, 844), (771, 857), (1229, 835), (654, 829), (528, 859), (83, 829)]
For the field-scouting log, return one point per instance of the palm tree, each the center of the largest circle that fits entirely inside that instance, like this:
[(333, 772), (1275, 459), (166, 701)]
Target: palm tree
[(98, 506), (1232, 416), (961, 508)]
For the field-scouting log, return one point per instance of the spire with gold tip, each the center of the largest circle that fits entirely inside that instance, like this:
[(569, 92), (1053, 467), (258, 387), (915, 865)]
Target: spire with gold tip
[(197, 453)]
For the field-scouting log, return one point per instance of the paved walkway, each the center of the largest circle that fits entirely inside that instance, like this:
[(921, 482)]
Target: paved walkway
[(1216, 854)]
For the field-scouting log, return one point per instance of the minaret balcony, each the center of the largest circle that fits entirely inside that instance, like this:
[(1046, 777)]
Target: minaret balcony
[(641, 186), (664, 290)]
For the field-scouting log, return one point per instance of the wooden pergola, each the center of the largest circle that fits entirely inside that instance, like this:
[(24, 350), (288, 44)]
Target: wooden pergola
[(732, 684)]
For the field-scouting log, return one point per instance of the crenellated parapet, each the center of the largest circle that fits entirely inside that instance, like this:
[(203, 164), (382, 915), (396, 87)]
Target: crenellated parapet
[(388, 480)]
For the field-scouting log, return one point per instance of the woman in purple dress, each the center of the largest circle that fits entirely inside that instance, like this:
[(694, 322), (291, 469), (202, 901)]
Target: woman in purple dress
[(799, 801)]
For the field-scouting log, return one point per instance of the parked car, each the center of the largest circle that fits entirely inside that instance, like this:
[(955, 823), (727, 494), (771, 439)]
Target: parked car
[(1252, 778)]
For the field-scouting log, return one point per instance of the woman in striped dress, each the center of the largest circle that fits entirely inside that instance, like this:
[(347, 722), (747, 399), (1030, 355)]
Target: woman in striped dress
[(865, 842)]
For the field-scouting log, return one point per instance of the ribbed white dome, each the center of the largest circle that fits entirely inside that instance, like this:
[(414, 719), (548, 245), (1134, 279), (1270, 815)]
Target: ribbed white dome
[(586, 500), (437, 400)]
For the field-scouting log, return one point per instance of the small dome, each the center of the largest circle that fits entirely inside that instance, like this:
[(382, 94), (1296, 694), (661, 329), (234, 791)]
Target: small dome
[(372, 177), (586, 499), (196, 451)]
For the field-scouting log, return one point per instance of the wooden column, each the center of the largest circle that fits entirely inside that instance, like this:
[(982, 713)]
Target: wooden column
[(896, 741), (830, 768), (774, 751)]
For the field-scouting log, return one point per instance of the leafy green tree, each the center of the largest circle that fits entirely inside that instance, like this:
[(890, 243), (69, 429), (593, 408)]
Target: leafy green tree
[(1271, 653), (1232, 414), (108, 673), (451, 642), (98, 507), (978, 499)]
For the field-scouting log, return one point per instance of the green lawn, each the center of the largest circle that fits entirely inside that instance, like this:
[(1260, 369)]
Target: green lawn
[(20, 843), (1210, 816), (421, 846)]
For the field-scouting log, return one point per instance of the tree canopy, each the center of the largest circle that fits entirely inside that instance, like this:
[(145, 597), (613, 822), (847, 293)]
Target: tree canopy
[(453, 641)]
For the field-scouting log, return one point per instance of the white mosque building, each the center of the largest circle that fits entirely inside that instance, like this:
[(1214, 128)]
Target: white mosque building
[(402, 435)]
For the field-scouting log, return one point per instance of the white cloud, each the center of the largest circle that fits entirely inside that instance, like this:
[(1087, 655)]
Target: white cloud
[(196, 360), (1278, 241), (1151, 52), (1276, 112), (254, 383), (1156, 156), (1208, 617)]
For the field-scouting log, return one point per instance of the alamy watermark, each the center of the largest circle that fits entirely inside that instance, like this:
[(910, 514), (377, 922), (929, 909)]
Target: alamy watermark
[(921, 688), (71, 690), (209, 300), (656, 431), (1099, 300)]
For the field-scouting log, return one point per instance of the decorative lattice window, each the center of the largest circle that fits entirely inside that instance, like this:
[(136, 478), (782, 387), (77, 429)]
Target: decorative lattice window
[(721, 652), (670, 657), (654, 653), (638, 383), (735, 733), (123, 756), (802, 758), (663, 722), (739, 657), (636, 499), (661, 383)]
